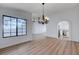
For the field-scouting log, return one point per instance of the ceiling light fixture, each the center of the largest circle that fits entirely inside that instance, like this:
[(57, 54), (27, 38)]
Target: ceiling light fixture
[(44, 19)]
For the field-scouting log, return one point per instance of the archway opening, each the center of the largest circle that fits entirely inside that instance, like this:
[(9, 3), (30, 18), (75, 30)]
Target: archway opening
[(63, 29)]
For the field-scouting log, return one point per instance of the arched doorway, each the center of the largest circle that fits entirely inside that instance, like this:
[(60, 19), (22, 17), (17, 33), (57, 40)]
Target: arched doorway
[(63, 29)]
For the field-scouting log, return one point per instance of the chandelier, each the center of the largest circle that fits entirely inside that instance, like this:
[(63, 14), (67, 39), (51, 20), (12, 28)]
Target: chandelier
[(44, 19)]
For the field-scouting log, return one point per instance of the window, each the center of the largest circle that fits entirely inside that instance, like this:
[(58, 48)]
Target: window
[(6, 26), (21, 27), (13, 26)]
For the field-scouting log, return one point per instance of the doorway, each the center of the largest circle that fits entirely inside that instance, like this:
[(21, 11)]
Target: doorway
[(63, 29)]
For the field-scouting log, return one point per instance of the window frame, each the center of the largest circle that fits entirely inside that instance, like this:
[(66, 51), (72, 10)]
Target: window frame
[(10, 26)]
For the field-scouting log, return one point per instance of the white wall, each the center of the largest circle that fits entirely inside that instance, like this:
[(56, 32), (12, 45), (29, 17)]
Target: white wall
[(4, 42), (38, 28), (70, 15)]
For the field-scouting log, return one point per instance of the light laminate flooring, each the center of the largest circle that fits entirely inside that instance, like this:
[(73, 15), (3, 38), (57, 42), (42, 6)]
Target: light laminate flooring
[(46, 46)]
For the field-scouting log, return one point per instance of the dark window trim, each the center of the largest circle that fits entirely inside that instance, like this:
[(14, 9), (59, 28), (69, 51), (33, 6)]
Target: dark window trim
[(10, 25)]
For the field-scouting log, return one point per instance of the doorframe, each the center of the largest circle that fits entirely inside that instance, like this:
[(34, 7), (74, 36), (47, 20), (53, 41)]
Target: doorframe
[(70, 28)]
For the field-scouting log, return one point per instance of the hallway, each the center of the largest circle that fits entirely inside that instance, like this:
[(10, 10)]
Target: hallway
[(46, 46)]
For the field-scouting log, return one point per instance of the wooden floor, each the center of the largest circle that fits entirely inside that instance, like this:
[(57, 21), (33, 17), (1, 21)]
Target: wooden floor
[(48, 46)]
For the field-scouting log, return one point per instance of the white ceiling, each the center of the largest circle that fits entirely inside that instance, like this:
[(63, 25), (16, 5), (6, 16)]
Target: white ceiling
[(36, 8)]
